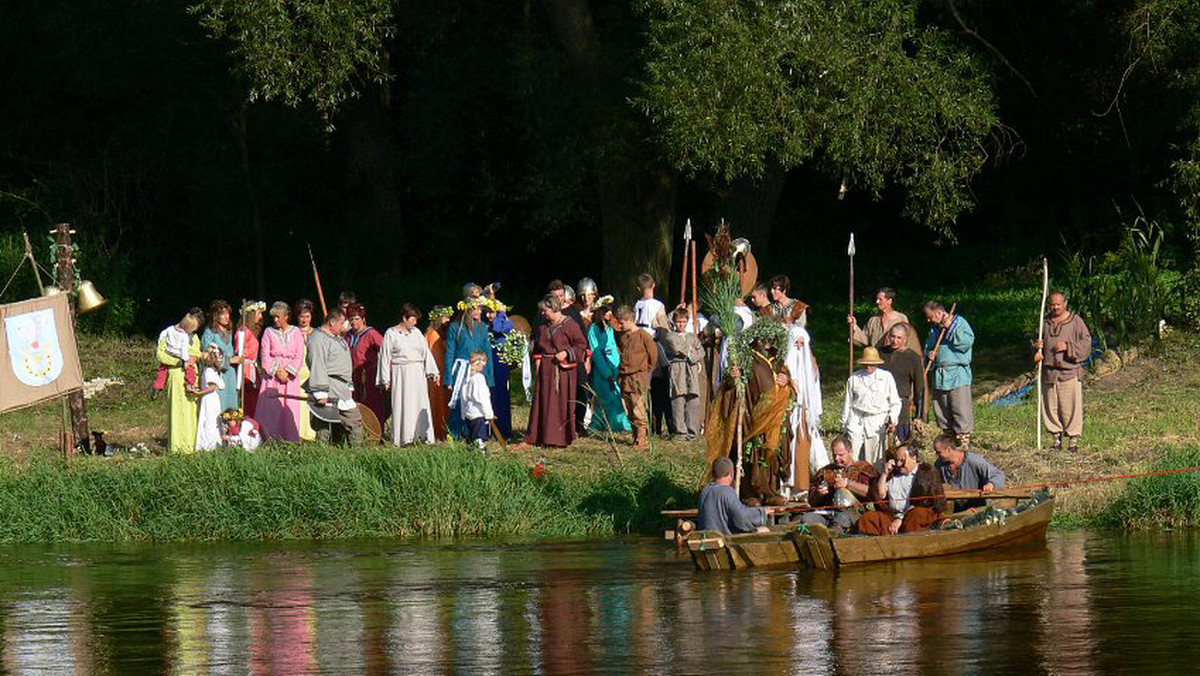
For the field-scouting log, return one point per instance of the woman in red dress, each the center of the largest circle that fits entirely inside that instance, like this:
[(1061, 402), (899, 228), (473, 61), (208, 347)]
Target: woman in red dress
[(365, 342)]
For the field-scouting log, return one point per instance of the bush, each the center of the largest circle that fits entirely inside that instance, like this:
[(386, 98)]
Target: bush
[(1123, 293), (1170, 500)]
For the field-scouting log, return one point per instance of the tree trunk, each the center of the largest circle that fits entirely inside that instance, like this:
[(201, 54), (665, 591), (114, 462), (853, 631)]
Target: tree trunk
[(639, 214), (238, 122), (366, 132), (636, 189), (750, 205)]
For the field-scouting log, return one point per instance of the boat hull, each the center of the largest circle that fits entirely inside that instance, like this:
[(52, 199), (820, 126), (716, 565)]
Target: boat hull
[(816, 549)]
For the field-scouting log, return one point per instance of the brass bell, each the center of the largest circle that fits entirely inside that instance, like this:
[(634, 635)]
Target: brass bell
[(89, 297), (741, 248), (51, 290)]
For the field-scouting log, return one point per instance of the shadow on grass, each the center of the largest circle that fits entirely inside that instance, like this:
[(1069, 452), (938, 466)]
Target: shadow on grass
[(634, 502)]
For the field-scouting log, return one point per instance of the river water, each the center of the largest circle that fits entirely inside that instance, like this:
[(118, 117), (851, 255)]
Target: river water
[(1086, 603)]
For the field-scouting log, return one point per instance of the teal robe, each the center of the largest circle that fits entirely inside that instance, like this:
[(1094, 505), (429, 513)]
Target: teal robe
[(606, 359), (952, 367)]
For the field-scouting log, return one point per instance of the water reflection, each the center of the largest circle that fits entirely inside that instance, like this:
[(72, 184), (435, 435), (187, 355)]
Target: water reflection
[(615, 607)]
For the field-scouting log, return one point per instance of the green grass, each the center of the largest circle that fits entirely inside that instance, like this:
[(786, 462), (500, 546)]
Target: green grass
[(318, 492), (1167, 501)]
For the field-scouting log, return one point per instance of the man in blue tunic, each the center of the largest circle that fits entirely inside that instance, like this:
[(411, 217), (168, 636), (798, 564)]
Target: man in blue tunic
[(952, 404), (720, 508)]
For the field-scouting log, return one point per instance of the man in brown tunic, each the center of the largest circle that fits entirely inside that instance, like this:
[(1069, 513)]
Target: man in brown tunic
[(1067, 345)]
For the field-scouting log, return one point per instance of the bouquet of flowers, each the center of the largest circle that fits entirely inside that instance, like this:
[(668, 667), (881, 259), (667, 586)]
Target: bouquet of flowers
[(512, 348)]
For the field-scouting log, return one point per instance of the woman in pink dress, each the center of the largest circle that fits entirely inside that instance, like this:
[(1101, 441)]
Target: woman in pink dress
[(281, 355)]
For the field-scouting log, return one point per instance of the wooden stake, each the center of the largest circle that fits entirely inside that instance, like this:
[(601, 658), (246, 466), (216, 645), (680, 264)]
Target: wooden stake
[(850, 251), (65, 267), (695, 297), (1037, 417)]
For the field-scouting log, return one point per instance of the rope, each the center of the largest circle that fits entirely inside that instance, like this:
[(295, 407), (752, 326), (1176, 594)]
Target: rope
[(14, 275), (1055, 484)]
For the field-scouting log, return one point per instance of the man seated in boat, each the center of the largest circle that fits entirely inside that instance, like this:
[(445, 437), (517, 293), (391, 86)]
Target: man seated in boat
[(908, 496), (720, 508), (962, 469), (831, 483)]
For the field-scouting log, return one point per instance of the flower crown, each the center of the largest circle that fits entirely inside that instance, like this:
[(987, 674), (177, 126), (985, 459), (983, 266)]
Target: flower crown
[(233, 414), (481, 302), (440, 313), (253, 306)]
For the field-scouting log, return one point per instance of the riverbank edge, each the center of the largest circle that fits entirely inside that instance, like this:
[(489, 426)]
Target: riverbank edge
[(313, 492)]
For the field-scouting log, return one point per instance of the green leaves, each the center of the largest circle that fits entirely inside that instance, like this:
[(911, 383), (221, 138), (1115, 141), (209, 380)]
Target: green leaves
[(297, 50), (859, 87)]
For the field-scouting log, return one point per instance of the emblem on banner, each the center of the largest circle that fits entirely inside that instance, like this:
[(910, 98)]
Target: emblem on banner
[(33, 347)]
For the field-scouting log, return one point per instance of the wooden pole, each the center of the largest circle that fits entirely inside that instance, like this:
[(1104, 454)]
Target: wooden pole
[(1037, 417), (687, 238), (33, 261), (695, 294), (317, 279), (65, 269), (850, 251)]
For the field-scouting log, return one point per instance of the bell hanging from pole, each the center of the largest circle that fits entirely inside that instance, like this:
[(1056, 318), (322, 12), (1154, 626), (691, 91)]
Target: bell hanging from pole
[(89, 297), (50, 290)]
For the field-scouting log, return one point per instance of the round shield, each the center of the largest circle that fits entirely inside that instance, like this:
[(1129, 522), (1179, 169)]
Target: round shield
[(521, 324), (747, 266)]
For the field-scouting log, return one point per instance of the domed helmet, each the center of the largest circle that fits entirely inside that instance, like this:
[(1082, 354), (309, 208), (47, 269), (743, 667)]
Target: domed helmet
[(586, 286)]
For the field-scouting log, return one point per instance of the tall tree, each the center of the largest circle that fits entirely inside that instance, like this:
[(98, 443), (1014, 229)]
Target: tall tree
[(859, 88)]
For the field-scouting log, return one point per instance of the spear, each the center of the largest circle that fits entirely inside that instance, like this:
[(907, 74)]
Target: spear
[(850, 252), (317, 277), (687, 238)]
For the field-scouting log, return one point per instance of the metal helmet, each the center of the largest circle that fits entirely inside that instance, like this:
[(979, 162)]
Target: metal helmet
[(741, 247), (568, 294), (471, 289), (586, 286)]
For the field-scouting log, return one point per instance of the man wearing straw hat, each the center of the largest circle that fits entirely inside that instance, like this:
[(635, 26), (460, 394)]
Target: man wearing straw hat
[(872, 407)]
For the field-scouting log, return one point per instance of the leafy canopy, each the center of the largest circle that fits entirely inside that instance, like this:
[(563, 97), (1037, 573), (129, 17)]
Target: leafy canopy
[(295, 50), (858, 86)]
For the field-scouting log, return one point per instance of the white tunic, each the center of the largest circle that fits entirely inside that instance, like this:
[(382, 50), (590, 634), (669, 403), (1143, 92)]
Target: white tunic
[(208, 431), (405, 366), (870, 396), (477, 398), (650, 314)]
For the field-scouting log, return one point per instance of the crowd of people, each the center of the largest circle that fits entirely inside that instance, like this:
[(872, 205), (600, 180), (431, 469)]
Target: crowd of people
[(591, 366), (877, 482)]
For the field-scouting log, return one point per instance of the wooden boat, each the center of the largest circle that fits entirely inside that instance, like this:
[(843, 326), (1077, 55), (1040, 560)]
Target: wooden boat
[(816, 547)]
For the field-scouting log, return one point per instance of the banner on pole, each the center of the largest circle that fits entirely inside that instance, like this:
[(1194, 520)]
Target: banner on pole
[(41, 359)]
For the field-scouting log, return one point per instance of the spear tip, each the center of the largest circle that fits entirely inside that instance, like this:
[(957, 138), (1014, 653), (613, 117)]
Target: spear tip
[(850, 249)]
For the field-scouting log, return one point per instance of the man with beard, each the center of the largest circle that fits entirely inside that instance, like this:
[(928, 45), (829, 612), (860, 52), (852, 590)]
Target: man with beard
[(1067, 345)]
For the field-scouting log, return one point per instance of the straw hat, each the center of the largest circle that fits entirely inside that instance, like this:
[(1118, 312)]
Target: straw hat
[(870, 357)]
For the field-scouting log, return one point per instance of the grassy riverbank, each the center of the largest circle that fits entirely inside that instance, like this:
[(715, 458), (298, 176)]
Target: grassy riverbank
[(1143, 417), (317, 492)]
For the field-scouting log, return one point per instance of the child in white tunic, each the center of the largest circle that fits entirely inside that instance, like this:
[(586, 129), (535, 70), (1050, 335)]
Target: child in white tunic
[(208, 431)]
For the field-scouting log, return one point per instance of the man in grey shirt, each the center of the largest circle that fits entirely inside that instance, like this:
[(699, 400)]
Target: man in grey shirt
[(720, 508), (963, 469), (330, 374)]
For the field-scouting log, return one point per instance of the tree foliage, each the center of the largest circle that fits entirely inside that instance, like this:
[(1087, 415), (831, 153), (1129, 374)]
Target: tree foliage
[(293, 50), (858, 86)]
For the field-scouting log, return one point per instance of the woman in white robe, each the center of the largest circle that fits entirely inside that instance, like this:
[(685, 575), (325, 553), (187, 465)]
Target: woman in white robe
[(405, 365)]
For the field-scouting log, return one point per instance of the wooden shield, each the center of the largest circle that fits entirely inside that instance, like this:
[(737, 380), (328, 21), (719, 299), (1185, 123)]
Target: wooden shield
[(748, 268), (521, 324), (374, 431)]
